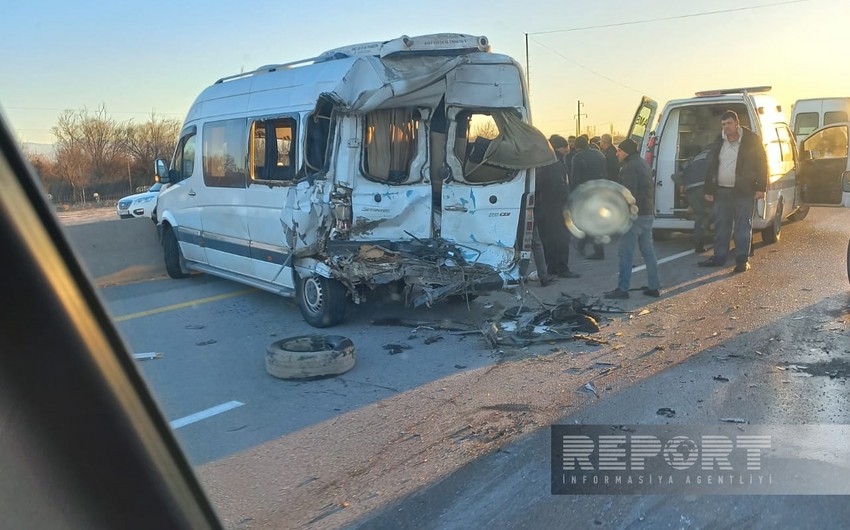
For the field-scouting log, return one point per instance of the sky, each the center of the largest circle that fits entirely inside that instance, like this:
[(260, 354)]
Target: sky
[(137, 57)]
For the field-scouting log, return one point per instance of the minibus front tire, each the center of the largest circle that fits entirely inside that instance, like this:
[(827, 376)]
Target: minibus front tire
[(321, 300), (173, 257)]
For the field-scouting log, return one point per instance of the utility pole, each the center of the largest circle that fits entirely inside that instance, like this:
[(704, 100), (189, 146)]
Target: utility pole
[(578, 116), (527, 69)]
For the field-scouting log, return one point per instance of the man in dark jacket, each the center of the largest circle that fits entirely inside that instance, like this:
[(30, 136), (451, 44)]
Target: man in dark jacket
[(736, 177), (612, 163), (588, 164), (692, 180), (551, 194), (637, 177)]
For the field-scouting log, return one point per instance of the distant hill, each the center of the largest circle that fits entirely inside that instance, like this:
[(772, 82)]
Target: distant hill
[(47, 150)]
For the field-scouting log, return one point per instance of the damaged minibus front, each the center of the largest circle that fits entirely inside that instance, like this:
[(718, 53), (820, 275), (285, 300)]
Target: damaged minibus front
[(402, 163)]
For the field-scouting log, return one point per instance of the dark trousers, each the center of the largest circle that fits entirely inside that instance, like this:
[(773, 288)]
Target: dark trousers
[(556, 242), (598, 248), (733, 211), (703, 212)]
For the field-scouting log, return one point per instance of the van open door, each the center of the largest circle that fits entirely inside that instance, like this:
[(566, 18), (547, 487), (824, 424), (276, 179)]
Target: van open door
[(642, 122), (823, 176)]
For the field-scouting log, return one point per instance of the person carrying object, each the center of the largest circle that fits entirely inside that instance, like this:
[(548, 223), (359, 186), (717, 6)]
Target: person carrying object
[(636, 176)]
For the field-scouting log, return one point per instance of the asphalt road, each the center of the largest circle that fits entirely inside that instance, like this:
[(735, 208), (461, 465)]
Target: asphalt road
[(412, 439)]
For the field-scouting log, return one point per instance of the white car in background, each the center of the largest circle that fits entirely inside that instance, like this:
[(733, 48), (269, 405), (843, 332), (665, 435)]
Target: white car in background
[(140, 204)]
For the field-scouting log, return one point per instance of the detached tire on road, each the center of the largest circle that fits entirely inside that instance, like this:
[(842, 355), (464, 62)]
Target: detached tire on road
[(310, 356)]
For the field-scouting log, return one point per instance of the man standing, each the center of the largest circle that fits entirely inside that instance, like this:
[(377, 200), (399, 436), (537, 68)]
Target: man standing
[(551, 194), (588, 164), (692, 179), (637, 177), (612, 163), (736, 177)]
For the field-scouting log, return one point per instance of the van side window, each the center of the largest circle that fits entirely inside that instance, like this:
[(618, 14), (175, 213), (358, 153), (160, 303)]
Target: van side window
[(184, 159), (805, 123), (475, 131), (828, 143), (389, 144), (318, 133), (225, 153), (834, 116), (272, 149), (785, 144)]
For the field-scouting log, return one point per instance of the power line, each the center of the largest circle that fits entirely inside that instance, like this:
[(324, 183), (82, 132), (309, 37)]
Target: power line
[(661, 19), (561, 55), (107, 110)]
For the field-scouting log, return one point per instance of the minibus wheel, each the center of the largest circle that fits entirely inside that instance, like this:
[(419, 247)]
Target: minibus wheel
[(173, 257), (321, 300)]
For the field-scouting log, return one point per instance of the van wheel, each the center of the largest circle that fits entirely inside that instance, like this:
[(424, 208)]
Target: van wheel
[(800, 213), (310, 356), (772, 233), (174, 261), (662, 234), (321, 300)]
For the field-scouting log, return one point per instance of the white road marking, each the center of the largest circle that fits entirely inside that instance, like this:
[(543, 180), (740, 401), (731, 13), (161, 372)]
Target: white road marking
[(665, 260), (204, 414)]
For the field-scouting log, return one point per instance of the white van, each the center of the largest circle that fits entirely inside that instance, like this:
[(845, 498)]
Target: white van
[(810, 114), (403, 162), (687, 126)]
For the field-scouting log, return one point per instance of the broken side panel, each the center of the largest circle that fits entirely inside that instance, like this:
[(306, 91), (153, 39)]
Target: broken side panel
[(391, 198)]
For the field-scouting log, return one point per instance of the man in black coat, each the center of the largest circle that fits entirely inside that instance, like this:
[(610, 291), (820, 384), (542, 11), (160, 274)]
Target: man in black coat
[(551, 194), (736, 178), (612, 163)]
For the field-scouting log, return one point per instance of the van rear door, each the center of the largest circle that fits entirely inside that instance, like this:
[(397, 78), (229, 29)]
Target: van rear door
[(482, 202), (824, 175), (642, 122)]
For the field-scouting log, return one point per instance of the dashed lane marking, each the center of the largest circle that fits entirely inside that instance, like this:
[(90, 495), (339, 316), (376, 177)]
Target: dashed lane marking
[(204, 414)]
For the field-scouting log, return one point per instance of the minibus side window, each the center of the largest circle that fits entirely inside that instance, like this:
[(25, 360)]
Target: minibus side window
[(389, 144), (224, 151), (834, 116), (273, 149), (805, 123)]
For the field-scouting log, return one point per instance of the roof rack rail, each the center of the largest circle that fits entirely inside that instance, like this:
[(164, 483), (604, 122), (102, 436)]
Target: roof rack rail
[(271, 68), (741, 90)]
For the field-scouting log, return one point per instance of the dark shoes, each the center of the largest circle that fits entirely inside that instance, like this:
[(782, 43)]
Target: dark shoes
[(655, 293), (742, 267), (617, 294), (712, 262), (548, 280)]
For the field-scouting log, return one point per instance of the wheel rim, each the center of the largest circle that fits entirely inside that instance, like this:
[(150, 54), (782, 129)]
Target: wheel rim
[(313, 294)]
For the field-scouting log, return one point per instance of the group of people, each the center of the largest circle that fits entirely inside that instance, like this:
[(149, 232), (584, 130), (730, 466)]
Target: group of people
[(725, 180)]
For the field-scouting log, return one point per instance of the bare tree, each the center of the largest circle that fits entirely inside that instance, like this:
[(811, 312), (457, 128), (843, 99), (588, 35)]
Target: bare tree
[(151, 140), (485, 129)]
